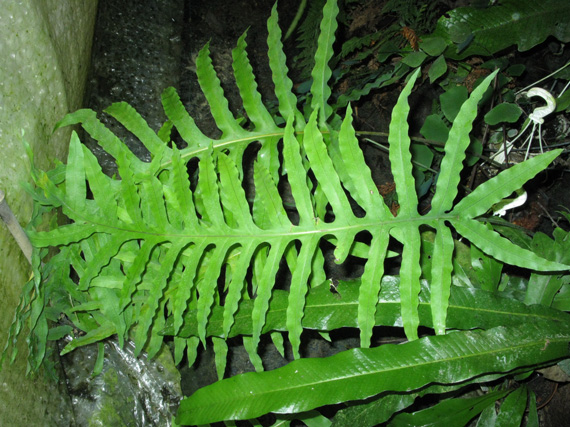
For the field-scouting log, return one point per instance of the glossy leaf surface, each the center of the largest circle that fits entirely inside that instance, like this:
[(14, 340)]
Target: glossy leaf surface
[(360, 373)]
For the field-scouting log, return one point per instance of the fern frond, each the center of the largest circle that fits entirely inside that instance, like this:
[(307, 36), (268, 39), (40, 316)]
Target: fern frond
[(279, 71), (308, 32), (320, 89), (157, 242)]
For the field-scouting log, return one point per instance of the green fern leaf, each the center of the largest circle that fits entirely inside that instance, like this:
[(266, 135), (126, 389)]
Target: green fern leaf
[(237, 286), (400, 155), (75, 176), (133, 122), (296, 176), (247, 86), (160, 249), (321, 73), (504, 184), (279, 71), (104, 137), (212, 89), (298, 291), (220, 355), (359, 373), (322, 166), (468, 308), (190, 260), (358, 180), (150, 307), (502, 249), (455, 146), (185, 125), (370, 287), (441, 270)]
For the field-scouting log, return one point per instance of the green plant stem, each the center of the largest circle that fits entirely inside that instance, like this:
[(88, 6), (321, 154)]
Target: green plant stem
[(296, 19), (543, 79)]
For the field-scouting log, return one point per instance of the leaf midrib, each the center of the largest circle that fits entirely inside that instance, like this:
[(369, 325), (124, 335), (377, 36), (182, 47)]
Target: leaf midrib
[(293, 232)]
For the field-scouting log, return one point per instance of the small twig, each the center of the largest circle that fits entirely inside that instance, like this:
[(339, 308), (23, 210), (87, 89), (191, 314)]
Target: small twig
[(377, 144), (561, 144), (549, 397), (544, 78), (433, 143), (14, 227), (548, 215)]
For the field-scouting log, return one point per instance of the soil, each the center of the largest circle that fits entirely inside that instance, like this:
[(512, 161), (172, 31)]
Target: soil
[(190, 26)]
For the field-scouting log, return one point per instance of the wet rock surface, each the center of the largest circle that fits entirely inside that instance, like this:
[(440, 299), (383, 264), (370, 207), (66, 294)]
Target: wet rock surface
[(130, 390), (136, 55)]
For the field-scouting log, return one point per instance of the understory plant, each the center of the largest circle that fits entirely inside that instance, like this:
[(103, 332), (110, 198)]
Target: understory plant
[(194, 246), (458, 47)]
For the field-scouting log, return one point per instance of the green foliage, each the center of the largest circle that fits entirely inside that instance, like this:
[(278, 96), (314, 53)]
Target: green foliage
[(416, 14), (185, 246), (504, 112), (526, 23), (307, 34), (468, 308), (360, 373)]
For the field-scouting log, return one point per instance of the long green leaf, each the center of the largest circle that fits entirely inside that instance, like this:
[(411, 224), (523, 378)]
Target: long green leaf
[(325, 311), (453, 412), (236, 287), (75, 176), (400, 155), (297, 176), (322, 167), (185, 125), (233, 195), (320, 89), (370, 287), (359, 181), (361, 373), (133, 121), (207, 288), (442, 267), (212, 89), (491, 243), (265, 287), (410, 281), (298, 291), (152, 303), (502, 185), (104, 137), (178, 195), (457, 142), (62, 235), (277, 63), (247, 86), (100, 184)]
